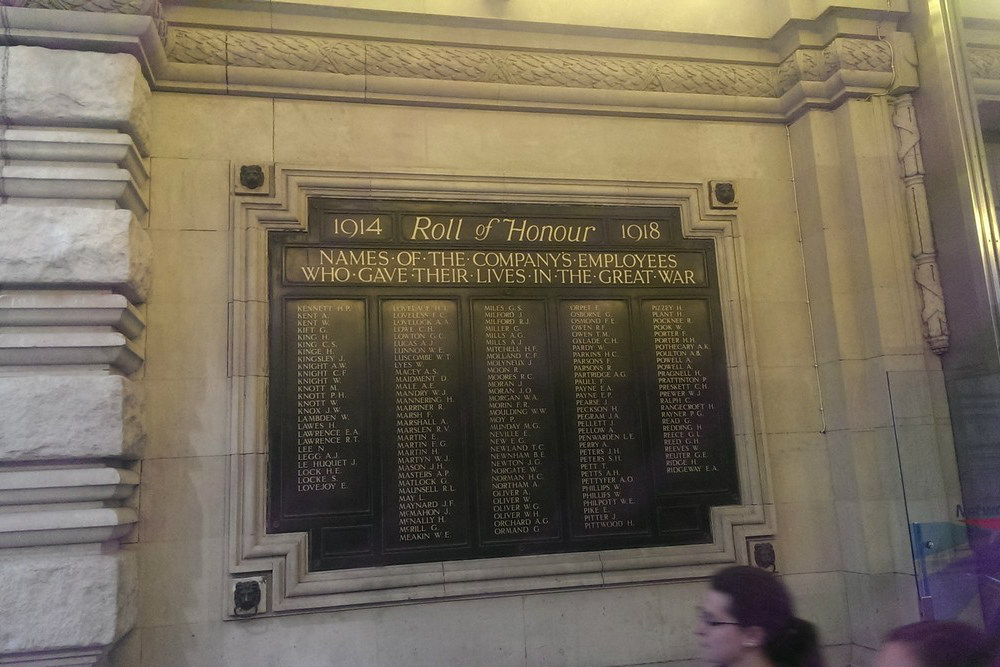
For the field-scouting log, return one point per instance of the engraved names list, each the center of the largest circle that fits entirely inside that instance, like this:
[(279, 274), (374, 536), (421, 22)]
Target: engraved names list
[(331, 457), (425, 488), (520, 481)]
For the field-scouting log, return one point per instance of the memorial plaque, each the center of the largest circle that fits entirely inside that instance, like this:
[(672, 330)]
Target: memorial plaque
[(454, 381)]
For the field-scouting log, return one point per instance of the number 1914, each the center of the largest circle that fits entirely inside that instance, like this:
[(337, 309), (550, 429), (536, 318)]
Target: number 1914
[(352, 227)]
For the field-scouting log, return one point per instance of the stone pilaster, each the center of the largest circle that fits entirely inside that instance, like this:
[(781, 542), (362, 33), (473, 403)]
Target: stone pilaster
[(74, 274)]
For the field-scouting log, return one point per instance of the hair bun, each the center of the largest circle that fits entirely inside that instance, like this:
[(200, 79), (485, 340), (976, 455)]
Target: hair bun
[(797, 643)]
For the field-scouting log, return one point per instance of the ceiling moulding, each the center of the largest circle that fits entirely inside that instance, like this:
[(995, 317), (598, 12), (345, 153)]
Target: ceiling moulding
[(745, 79)]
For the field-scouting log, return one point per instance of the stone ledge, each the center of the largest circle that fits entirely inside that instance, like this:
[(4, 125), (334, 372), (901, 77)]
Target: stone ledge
[(46, 346), (86, 657), (43, 308), (66, 485), (65, 602), (53, 246), (92, 166), (69, 526), (78, 183), (33, 144), (46, 417), (76, 89)]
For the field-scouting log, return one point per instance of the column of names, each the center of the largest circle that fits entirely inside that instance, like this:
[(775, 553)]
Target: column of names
[(683, 358), (331, 470), (425, 490), (609, 478), (520, 486)]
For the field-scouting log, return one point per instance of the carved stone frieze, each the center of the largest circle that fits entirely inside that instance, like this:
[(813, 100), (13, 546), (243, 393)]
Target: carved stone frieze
[(863, 55), (527, 68), (204, 47), (150, 8), (844, 53), (984, 63), (925, 271), (802, 65)]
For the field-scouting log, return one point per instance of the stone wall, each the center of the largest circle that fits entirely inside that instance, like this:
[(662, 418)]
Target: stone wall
[(74, 275), (844, 405)]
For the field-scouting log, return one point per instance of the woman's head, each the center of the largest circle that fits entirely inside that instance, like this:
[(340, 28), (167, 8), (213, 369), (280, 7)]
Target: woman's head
[(936, 644), (748, 614)]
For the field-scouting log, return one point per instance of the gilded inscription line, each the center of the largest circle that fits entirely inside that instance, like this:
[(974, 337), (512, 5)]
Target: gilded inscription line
[(487, 267)]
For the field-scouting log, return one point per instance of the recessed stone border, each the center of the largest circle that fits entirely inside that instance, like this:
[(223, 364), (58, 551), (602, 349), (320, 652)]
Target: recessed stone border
[(283, 558)]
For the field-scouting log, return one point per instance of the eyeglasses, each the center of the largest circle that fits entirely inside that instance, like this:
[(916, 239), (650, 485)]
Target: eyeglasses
[(706, 619)]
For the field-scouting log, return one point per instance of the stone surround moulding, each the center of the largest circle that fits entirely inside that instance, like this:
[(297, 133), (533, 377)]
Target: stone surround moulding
[(282, 558)]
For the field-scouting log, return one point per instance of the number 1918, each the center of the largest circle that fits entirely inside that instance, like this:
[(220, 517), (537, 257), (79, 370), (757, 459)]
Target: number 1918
[(646, 231)]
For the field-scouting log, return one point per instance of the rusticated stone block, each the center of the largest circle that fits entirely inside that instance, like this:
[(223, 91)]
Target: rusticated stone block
[(45, 417), (66, 601), (76, 89), (52, 246)]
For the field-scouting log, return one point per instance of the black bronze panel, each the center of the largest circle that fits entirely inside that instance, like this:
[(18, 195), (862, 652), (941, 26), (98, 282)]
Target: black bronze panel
[(453, 381)]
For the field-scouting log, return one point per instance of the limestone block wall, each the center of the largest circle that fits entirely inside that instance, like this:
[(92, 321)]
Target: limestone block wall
[(74, 274)]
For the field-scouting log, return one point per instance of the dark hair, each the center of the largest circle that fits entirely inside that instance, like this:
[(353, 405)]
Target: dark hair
[(757, 598), (946, 644)]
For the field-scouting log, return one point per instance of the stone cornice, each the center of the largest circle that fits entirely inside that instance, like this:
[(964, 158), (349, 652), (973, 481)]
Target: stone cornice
[(809, 77), (468, 64), (151, 8), (620, 77)]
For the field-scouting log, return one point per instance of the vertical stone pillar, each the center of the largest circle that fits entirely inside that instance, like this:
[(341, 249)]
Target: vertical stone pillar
[(883, 399), (74, 273)]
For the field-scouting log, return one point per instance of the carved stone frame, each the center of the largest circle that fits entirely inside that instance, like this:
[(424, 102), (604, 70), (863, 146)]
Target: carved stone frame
[(283, 558)]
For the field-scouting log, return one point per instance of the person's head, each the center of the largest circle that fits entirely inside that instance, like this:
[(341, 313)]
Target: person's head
[(747, 618), (936, 644)]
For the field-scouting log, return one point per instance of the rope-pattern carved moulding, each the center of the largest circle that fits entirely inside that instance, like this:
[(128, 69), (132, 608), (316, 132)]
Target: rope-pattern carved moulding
[(803, 65), (151, 8), (528, 68), (467, 64), (862, 55), (984, 63)]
